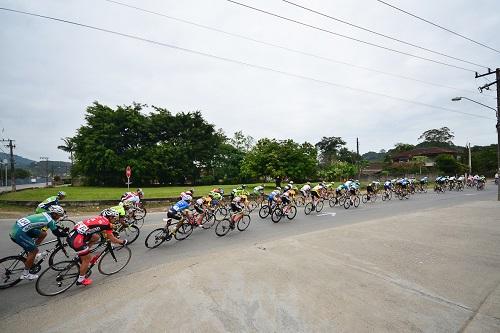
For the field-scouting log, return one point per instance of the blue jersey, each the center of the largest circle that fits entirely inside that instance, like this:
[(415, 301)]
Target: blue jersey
[(180, 206)]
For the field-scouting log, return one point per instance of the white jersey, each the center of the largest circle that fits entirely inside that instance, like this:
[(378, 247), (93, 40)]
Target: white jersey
[(306, 188)]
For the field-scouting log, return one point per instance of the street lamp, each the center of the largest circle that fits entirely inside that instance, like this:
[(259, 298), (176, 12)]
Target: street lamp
[(455, 99)]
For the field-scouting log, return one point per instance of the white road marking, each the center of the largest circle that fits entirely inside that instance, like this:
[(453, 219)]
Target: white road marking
[(324, 214)]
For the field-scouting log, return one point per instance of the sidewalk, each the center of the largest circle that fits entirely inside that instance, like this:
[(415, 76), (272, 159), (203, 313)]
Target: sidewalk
[(431, 271)]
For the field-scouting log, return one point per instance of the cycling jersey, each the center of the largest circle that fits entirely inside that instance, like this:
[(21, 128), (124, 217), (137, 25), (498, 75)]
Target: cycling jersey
[(36, 221), (306, 188), (25, 229), (180, 206), (44, 205), (120, 209), (131, 197), (82, 233)]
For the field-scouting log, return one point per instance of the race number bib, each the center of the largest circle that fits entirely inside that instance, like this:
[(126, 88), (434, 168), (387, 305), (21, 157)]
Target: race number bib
[(23, 222), (81, 228)]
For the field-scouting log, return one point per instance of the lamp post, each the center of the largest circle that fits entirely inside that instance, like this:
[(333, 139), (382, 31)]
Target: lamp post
[(455, 99)]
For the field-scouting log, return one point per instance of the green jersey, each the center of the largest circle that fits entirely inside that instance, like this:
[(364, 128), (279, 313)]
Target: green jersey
[(44, 205), (36, 221), (119, 209)]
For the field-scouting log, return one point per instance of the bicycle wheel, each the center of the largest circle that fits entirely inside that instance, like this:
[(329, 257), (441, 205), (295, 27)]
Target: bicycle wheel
[(319, 205), (130, 233), (364, 197), (209, 221), (222, 227), (11, 269), (308, 208), (139, 223), (300, 201), (292, 212), (220, 213), (61, 253), (264, 211), (140, 213), (57, 278), (276, 215), (252, 205), (356, 201), (243, 223), (332, 202), (114, 260), (66, 224), (183, 231), (156, 237), (347, 203), (374, 197)]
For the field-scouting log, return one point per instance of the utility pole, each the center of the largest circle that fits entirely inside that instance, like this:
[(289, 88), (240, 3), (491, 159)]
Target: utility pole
[(470, 163), (487, 87), (46, 159), (357, 158), (12, 169)]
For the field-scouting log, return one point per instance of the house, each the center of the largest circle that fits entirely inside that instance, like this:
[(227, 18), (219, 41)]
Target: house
[(430, 153)]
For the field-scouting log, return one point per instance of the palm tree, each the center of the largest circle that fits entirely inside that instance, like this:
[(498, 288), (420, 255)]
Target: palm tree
[(69, 147)]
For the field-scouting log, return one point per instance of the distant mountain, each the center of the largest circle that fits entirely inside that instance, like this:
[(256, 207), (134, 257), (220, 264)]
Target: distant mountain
[(20, 161), (38, 168)]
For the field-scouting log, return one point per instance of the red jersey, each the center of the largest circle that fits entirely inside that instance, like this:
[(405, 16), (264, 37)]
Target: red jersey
[(92, 226)]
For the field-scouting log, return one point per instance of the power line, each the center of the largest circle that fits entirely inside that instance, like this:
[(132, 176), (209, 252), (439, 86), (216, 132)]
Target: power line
[(437, 25), (239, 62), (381, 34), (291, 49), (351, 38)]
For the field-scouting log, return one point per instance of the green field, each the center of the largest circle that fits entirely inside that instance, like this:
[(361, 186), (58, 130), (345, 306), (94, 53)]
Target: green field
[(82, 193)]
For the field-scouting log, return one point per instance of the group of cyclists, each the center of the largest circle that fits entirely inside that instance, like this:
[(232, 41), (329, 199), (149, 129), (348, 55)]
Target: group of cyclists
[(28, 232)]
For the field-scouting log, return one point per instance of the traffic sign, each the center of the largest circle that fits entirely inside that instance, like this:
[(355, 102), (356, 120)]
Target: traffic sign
[(128, 172)]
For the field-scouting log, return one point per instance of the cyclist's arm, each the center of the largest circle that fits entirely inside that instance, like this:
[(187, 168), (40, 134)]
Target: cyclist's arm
[(109, 235)]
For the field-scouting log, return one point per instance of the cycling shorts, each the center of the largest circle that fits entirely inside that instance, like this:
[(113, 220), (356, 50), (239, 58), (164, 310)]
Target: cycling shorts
[(77, 242), (285, 200), (198, 208), (304, 193), (353, 191), (172, 214), (236, 208), (314, 194), (27, 239)]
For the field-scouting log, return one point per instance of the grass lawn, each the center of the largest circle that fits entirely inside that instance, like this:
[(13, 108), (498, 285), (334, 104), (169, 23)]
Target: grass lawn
[(109, 193)]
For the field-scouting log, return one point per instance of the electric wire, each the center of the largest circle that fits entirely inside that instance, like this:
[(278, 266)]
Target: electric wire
[(381, 34), (291, 49), (438, 26), (352, 38), (269, 69)]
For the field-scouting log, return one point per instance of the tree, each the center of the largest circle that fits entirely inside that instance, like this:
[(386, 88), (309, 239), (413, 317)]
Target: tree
[(21, 173), (329, 148), (160, 147), (438, 136), (279, 160), (242, 142), (69, 147), (447, 164), (338, 171)]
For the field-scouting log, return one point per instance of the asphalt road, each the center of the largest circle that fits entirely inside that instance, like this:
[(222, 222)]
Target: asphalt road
[(24, 294)]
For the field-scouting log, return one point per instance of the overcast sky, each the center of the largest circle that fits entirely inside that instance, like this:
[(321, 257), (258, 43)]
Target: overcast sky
[(51, 71)]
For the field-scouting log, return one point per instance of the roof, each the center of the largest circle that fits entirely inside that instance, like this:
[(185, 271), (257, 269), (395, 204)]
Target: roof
[(429, 151)]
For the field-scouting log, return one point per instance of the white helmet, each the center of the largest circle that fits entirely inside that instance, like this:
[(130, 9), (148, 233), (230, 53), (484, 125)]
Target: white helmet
[(56, 209), (108, 212), (187, 197)]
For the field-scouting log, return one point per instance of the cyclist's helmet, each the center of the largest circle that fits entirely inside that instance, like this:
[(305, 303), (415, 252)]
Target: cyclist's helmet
[(56, 209), (243, 186), (278, 188), (187, 197), (291, 182), (221, 191), (61, 194), (191, 190), (188, 192), (139, 191), (110, 213), (309, 183)]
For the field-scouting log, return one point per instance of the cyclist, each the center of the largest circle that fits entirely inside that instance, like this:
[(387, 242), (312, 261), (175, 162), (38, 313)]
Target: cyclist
[(240, 190), (177, 211), (27, 233), (315, 193), (305, 189), (86, 233), (237, 205), (370, 190), (50, 201), (200, 205), (216, 198), (133, 197), (273, 196), (259, 190)]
